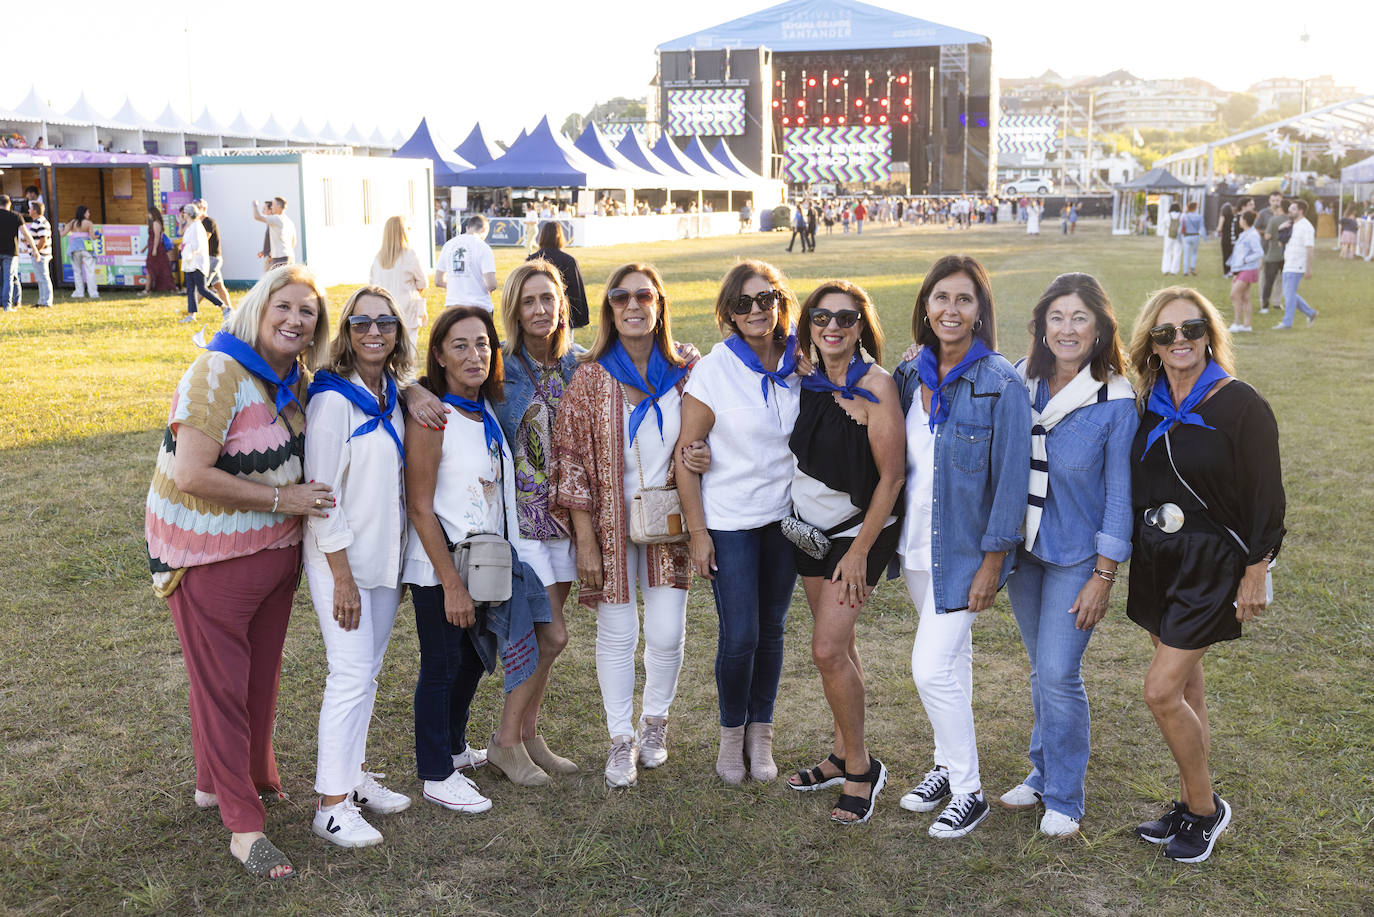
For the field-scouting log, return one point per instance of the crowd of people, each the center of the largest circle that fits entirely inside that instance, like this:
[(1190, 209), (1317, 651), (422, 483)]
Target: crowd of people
[(491, 472)]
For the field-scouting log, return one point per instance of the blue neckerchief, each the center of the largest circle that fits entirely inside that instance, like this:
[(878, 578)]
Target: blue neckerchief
[(662, 377), (1162, 403), (928, 368), (490, 428), (740, 348), (363, 400), (818, 381), (225, 343)]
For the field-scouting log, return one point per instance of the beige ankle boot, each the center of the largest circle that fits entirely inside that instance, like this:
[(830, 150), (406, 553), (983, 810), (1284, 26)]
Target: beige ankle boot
[(514, 762), (730, 761), (554, 764), (758, 748)]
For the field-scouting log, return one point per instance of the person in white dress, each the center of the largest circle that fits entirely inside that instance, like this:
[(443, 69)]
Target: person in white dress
[(397, 269)]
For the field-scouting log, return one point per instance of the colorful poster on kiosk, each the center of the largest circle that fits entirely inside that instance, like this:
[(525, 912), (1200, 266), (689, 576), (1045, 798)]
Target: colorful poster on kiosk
[(851, 155), (120, 260)]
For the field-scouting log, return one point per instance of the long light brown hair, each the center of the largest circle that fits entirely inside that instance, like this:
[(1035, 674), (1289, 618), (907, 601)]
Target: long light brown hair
[(510, 307), (394, 242), (343, 359), (606, 333)]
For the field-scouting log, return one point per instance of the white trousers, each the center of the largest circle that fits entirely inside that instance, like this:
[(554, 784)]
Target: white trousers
[(942, 667), (1172, 259), (617, 638), (355, 659), (83, 275)]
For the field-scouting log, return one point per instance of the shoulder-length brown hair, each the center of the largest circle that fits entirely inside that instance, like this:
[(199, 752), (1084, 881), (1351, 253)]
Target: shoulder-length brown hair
[(343, 359), (733, 284), (985, 325), (606, 334), (870, 332), (550, 235), (1142, 348), (510, 306), (1107, 354), (494, 388)]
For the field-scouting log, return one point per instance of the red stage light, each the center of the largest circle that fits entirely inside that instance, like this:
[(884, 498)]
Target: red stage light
[(883, 102), (882, 119), (858, 103), (870, 81), (825, 120), (840, 119), (811, 81), (801, 103), (868, 119), (801, 121), (834, 81), (777, 82), (786, 120), (906, 102), (776, 103), (906, 119), (902, 79)]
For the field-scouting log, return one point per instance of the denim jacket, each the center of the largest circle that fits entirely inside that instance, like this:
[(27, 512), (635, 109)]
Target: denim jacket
[(1088, 505), (1248, 252), (520, 388), (982, 475)]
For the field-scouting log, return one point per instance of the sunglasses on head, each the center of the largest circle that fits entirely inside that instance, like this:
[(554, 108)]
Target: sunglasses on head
[(362, 324), (1192, 329), (744, 304), (845, 318), (620, 297)]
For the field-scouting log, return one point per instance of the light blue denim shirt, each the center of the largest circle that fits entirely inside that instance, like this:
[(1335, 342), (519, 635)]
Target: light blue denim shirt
[(982, 475), (520, 388), (1088, 506)]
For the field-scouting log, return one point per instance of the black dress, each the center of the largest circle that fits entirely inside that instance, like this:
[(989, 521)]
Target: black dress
[(1183, 585), (572, 282), (1230, 231), (833, 448)]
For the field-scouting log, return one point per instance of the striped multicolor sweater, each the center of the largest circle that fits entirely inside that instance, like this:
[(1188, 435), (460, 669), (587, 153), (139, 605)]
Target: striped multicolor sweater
[(225, 402)]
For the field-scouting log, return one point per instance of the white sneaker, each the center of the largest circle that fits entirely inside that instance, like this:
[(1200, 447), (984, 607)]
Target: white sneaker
[(1020, 796), (652, 739), (344, 825), (1057, 824), (186, 318), (457, 793), (620, 763), (926, 795), (1235, 327), (470, 758), (374, 797)]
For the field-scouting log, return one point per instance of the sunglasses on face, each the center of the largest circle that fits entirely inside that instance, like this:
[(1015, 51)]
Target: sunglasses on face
[(620, 297), (362, 324), (845, 318), (1192, 329), (745, 303)]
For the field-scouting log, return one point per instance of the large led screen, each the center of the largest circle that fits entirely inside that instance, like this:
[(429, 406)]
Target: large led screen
[(838, 154), (705, 112)]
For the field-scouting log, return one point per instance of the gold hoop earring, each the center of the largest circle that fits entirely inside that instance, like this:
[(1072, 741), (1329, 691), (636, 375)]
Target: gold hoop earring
[(1158, 359), (978, 325), (926, 318)]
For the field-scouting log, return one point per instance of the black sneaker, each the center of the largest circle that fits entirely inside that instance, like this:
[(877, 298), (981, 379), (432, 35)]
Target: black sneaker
[(1197, 834), (1162, 829), (961, 816), (928, 793)]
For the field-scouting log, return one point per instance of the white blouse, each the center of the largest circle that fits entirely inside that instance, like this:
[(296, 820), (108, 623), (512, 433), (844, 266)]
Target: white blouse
[(749, 482), (474, 489), (920, 488), (655, 452), (368, 520)]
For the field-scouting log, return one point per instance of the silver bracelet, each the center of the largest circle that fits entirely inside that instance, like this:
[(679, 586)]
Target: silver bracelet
[(276, 498)]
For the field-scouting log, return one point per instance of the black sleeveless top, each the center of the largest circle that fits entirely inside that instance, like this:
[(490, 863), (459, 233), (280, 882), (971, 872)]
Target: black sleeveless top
[(833, 448)]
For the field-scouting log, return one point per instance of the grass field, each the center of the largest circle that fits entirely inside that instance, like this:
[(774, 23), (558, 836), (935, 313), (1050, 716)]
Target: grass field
[(96, 775)]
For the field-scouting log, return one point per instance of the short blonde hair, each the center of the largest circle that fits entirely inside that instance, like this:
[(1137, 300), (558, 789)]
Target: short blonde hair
[(1142, 348), (343, 359), (510, 307), (247, 316)]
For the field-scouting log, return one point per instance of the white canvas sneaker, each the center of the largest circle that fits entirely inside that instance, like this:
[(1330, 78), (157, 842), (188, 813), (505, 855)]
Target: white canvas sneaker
[(457, 793), (1057, 824), (374, 797), (344, 825)]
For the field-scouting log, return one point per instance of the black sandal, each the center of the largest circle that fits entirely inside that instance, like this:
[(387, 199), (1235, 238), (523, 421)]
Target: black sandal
[(815, 779), (876, 778)]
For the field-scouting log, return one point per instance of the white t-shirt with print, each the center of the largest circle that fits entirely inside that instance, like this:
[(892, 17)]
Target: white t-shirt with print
[(465, 261)]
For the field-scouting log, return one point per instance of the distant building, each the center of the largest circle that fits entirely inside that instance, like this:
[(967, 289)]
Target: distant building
[(1171, 105), (1282, 91)]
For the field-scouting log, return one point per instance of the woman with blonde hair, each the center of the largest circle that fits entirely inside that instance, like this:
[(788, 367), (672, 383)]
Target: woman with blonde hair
[(1209, 508), (615, 433), (397, 269), (353, 555)]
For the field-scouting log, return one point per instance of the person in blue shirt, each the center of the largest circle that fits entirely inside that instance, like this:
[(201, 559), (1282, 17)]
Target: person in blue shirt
[(968, 466), (1190, 233), (1078, 528)]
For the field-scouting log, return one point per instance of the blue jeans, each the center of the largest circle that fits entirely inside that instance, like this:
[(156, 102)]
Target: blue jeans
[(42, 269), (1190, 244), (1041, 595), (9, 281), (195, 283), (449, 672), (1291, 299), (755, 575)]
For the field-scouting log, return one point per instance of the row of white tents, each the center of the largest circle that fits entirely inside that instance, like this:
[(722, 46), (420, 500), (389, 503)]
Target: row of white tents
[(82, 127)]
